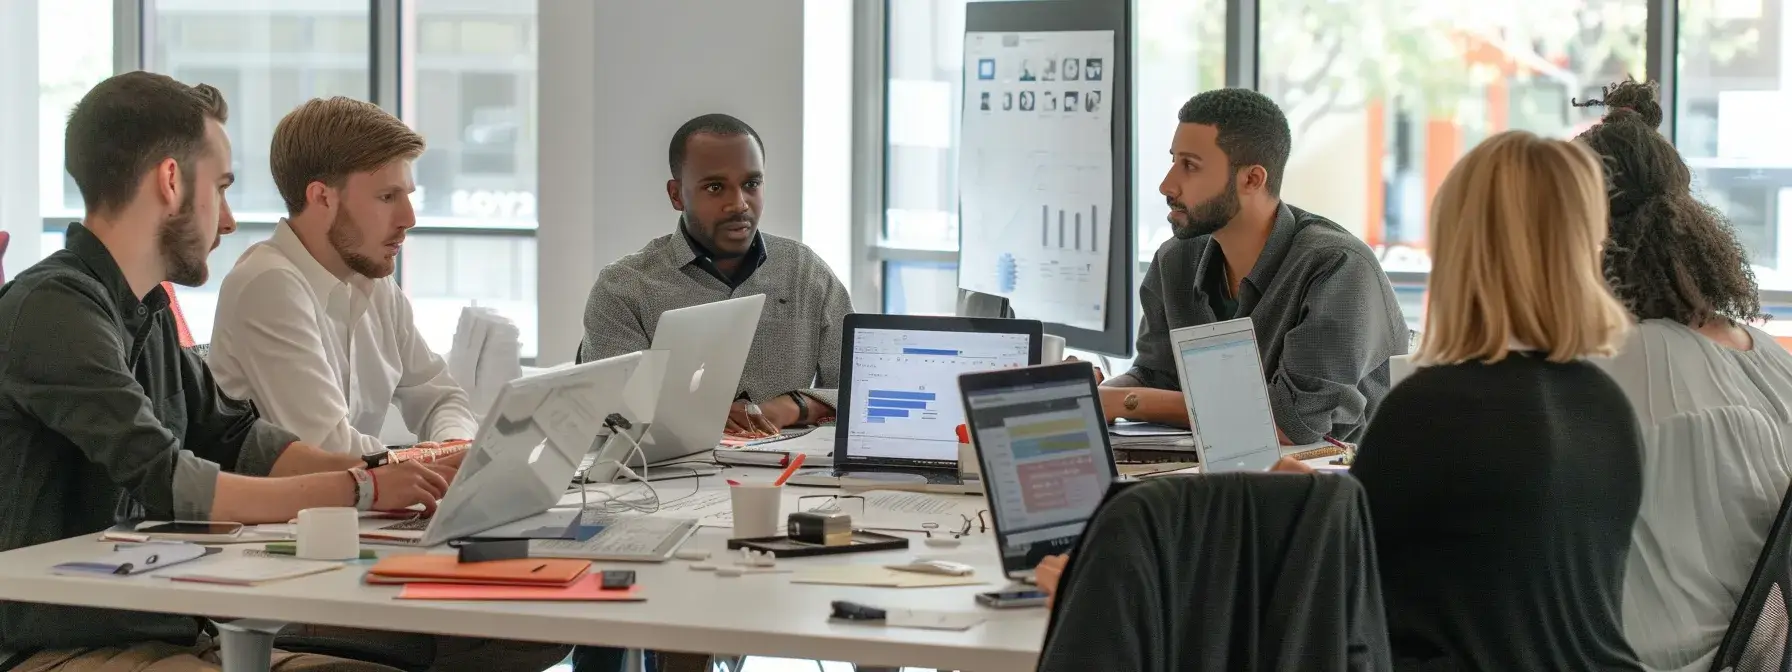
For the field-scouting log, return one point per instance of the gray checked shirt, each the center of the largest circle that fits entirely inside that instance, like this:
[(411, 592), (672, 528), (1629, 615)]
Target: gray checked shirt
[(1324, 312), (797, 346)]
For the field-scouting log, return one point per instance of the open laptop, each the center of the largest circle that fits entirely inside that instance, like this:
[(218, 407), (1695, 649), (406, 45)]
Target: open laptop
[(706, 349), (897, 419), (526, 449), (1042, 445), (1228, 401)]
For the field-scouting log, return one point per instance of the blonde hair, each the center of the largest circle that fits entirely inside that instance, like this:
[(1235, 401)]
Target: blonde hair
[(1516, 230), (328, 140)]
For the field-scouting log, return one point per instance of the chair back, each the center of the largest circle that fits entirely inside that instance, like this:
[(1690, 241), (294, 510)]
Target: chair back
[(180, 320), (1240, 571), (1757, 638)]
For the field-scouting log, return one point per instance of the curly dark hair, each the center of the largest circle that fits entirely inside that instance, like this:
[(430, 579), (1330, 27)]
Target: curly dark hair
[(1669, 255)]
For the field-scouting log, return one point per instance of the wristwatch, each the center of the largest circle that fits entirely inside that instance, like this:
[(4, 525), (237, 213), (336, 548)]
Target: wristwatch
[(377, 460), (802, 408), (1131, 402)]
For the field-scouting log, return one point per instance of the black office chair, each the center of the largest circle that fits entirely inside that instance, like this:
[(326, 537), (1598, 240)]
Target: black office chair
[(1240, 571), (1757, 639)]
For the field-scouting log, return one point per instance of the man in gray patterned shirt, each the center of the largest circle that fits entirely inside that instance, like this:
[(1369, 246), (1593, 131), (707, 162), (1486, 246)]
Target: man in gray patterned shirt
[(718, 253), (1323, 310)]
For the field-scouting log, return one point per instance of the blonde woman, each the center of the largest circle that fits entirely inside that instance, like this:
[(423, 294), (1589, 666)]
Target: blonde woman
[(1504, 475)]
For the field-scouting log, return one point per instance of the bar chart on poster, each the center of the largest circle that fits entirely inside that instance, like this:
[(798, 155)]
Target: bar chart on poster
[(1036, 176)]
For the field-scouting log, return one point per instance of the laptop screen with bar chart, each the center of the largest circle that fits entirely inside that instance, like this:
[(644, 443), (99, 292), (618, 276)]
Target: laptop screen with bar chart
[(899, 401)]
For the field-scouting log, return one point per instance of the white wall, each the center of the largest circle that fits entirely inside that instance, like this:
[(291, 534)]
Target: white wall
[(617, 78)]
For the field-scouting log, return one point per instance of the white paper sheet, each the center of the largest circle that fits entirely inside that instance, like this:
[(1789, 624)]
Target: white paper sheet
[(1036, 173)]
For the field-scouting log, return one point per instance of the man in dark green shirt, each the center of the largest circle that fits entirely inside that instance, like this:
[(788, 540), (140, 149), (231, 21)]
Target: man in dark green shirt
[(104, 418)]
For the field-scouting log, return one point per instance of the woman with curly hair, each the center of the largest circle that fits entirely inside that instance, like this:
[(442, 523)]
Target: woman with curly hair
[(1710, 391)]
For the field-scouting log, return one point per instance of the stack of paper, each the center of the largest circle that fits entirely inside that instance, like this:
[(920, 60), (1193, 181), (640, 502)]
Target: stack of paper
[(486, 354)]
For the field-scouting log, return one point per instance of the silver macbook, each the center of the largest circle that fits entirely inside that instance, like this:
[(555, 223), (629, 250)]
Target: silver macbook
[(1228, 401), (706, 348), (526, 450)]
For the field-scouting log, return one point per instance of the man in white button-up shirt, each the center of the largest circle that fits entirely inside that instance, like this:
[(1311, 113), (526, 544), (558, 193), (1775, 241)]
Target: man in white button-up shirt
[(310, 324), (312, 328)]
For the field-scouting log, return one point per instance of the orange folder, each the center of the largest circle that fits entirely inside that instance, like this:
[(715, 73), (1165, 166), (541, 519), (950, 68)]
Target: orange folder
[(587, 589), (519, 572)]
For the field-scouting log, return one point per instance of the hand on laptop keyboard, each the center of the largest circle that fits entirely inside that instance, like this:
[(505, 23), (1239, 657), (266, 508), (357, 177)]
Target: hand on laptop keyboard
[(405, 484)]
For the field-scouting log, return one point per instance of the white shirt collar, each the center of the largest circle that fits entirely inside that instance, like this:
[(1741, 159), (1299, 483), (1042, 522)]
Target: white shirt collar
[(321, 280)]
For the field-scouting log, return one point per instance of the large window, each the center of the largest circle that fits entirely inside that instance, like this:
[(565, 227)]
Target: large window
[(1735, 79), (469, 86), (1383, 98), (266, 63), (465, 73), (1181, 51)]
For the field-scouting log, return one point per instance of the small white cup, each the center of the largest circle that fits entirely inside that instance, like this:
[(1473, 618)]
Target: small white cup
[(330, 533), (1051, 351), (756, 509)]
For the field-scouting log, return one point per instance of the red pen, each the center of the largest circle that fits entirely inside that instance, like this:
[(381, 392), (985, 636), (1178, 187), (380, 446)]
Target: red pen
[(964, 434), (795, 461), (733, 482), (1340, 444)]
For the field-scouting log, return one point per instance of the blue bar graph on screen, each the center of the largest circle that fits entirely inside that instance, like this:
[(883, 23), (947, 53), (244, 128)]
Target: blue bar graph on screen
[(904, 396), (885, 405), (930, 351)]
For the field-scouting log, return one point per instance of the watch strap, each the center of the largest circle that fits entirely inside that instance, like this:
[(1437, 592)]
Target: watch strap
[(802, 408), (364, 488)]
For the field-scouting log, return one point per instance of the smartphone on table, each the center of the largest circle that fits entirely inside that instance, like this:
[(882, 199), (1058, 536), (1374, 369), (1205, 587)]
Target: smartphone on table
[(191, 530), (1018, 598)]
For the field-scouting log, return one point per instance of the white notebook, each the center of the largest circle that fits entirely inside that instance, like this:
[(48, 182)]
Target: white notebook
[(249, 569)]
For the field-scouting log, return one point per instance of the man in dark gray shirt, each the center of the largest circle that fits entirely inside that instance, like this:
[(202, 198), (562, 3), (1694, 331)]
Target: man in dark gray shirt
[(104, 418), (1323, 310)]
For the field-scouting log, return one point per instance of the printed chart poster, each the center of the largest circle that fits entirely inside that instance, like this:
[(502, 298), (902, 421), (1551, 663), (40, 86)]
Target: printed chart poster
[(1036, 173)]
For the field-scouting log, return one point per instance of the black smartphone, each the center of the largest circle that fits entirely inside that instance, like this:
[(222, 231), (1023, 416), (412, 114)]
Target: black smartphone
[(617, 579), (1012, 599)]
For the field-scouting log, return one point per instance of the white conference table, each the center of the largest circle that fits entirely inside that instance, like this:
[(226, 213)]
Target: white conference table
[(686, 610)]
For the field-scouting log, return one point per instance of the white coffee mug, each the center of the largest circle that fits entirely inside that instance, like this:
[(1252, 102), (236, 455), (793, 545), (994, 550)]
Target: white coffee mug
[(330, 533)]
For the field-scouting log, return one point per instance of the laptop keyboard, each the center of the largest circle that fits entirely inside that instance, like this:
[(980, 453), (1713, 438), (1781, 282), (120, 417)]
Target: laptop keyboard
[(625, 537), (417, 524)]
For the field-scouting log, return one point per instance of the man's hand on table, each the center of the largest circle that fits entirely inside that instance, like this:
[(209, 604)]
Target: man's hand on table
[(770, 421)]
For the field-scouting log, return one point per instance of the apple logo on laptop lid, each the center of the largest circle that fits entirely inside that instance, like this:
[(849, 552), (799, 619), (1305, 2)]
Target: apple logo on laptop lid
[(697, 377)]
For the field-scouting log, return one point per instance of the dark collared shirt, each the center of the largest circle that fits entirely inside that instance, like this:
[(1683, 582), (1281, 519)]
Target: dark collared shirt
[(1324, 313), (102, 416), (704, 259)]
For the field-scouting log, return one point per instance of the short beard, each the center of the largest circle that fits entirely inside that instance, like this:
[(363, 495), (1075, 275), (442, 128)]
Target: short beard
[(183, 250), (345, 238), (706, 235), (1209, 217)]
